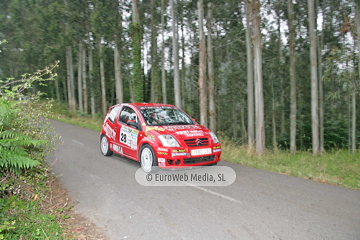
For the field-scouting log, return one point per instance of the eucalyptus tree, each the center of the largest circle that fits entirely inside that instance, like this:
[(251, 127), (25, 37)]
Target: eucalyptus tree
[(105, 21), (137, 85), (210, 61), (175, 47), (202, 66), (259, 97), (80, 78), (250, 76), (320, 48), (279, 9), (163, 75), (69, 32), (314, 80), (155, 78), (292, 70), (115, 36), (354, 92)]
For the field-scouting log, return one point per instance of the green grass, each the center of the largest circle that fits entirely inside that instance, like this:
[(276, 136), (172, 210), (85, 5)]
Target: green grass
[(27, 221), (60, 113), (336, 167), (81, 122), (25, 211)]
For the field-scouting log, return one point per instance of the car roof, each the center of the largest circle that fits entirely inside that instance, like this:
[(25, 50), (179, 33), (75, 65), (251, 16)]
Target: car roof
[(149, 104)]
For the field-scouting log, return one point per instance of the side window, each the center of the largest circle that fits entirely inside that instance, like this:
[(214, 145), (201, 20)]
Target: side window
[(113, 113), (128, 114)]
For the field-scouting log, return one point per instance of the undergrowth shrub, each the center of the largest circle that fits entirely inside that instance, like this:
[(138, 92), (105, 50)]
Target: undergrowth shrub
[(26, 137), (25, 133)]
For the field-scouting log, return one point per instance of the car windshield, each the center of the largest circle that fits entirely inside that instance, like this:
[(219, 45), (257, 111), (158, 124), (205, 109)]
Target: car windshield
[(159, 116)]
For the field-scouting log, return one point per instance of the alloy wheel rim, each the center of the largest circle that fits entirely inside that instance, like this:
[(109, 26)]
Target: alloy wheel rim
[(104, 145), (146, 159)]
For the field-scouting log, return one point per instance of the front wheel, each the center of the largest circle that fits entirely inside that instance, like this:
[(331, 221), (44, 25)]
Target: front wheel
[(104, 146), (147, 159)]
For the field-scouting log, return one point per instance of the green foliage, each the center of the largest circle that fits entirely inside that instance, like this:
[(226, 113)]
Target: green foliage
[(339, 70), (25, 138), (24, 220), (38, 31), (24, 134), (335, 134), (14, 146)]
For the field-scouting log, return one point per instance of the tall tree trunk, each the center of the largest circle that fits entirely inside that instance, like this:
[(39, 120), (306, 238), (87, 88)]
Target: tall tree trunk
[(292, 78), (202, 66), (212, 112), (80, 99), (357, 24), (91, 79), (70, 80), (57, 89), (349, 117), (353, 130), (314, 80), (320, 46), (175, 56), (235, 118), (259, 96), (274, 139), (65, 88), (163, 76), (102, 80), (250, 77), (155, 80), (183, 64), (281, 62), (84, 85), (118, 79), (192, 84), (137, 81), (153, 96), (243, 127)]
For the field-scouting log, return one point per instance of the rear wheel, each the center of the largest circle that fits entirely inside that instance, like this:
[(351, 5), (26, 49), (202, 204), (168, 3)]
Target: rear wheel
[(104, 146), (147, 159)]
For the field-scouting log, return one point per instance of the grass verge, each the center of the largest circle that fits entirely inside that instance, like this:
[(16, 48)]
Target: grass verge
[(60, 113), (336, 167), (35, 206), (25, 212)]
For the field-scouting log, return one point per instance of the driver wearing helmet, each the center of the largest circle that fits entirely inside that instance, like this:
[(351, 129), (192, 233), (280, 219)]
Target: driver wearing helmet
[(162, 116), (132, 118)]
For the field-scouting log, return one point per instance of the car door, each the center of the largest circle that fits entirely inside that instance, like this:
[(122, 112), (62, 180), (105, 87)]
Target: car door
[(128, 132), (110, 125)]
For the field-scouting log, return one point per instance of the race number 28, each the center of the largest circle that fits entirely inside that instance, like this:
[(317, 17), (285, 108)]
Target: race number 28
[(123, 137)]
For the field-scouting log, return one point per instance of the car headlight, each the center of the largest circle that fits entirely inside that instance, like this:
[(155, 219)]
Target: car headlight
[(168, 141), (214, 137)]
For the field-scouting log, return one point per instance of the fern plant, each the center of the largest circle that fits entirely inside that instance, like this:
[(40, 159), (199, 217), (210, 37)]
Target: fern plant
[(25, 134), (14, 146)]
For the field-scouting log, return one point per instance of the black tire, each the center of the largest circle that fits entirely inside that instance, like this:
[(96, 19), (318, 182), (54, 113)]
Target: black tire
[(148, 161), (104, 146)]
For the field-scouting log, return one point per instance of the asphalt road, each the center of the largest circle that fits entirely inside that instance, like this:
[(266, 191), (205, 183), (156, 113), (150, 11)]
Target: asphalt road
[(258, 205)]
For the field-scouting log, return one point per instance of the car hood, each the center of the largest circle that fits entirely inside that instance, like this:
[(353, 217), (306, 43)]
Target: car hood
[(180, 131)]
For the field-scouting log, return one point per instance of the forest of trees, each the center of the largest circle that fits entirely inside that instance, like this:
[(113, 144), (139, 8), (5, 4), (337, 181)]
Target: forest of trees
[(266, 73)]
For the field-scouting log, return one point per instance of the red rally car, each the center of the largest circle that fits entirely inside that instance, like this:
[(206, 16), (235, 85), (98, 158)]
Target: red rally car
[(158, 135)]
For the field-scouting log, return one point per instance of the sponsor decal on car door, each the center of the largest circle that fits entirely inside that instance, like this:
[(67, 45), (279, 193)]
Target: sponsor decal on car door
[(128, 138)]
